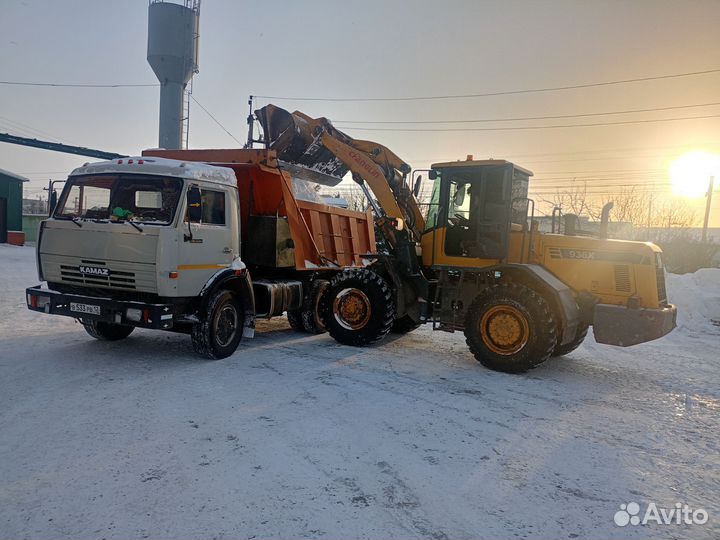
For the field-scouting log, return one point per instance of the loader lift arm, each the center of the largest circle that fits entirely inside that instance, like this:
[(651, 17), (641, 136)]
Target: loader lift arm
[(316, 144)]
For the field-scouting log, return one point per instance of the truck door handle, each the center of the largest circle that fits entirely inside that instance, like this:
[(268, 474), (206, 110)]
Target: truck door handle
[(227, 250)]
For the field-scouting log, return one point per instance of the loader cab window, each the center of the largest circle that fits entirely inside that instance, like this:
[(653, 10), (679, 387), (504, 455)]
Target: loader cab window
[(432, 219), (478, 211)]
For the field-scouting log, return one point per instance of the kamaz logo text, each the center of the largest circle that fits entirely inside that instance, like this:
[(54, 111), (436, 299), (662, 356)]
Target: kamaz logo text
[(94, 271)]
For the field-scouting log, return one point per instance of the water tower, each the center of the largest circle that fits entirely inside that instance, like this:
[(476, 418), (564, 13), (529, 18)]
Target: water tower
[(173, 56)]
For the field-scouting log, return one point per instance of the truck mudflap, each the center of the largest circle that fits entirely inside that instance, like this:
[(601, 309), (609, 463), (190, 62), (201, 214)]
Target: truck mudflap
[(623, 326), (140, 314)]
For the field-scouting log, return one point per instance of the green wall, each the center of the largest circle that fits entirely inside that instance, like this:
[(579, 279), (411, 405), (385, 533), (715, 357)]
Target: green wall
[(12, 191), (31, 223)]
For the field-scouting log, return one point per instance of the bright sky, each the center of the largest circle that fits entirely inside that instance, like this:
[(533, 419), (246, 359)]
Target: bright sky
[(382, 49)]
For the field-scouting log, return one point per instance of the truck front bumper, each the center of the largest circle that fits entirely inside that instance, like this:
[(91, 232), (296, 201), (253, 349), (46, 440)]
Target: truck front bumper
[(95, 308), (622, 326)]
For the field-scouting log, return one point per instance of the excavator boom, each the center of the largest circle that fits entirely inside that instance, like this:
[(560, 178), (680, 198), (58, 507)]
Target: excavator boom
[(314, 143)]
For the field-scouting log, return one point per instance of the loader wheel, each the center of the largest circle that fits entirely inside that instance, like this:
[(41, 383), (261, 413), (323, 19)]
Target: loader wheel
[(220, 330), (404, 325), (560, 350), (105, 331), (294, 317), (311, 321), (357, 308), (510, 328)]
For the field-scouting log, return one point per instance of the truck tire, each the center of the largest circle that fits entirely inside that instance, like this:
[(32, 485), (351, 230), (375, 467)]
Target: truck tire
[(561, 350), (404, 325), (311, 321), (105, 331), (220, 329), (358, 308), (294, 318), (510, 328)]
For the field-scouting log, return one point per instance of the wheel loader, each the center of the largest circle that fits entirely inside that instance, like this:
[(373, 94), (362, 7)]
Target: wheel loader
[(475, 260)]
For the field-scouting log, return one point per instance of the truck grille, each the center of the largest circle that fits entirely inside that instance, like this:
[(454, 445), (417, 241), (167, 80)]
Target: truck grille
[(122, 275), (117, 280)]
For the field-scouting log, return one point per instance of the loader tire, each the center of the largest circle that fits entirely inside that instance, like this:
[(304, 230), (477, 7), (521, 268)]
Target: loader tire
[(510, 328), (220, 329), (105, 331), (404, 325), (561, 350), (294, 318), (311, 321), (358, 308)]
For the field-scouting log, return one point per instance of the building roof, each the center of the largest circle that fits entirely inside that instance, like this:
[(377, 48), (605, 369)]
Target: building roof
[(7, 175)]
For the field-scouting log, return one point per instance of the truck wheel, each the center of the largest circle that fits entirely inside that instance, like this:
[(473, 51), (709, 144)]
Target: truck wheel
[(357, 308), (295, 319), (220, 330), (510, 328), (404, 325), (105, 331), (574, 344), (311, 321)]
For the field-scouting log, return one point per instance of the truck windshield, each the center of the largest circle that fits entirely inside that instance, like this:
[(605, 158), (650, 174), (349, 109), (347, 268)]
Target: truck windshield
[(145, 199)]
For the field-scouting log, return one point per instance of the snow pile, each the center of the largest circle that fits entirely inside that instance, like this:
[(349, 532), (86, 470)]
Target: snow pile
[(697, 297)]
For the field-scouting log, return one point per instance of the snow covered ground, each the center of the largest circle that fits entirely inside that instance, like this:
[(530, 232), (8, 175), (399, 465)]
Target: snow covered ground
[(298, 436)]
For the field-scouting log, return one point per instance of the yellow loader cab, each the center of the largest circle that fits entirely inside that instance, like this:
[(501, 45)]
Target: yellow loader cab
[(480, 218)]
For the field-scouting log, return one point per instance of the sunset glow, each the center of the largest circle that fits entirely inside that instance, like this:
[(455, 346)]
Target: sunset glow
[(690, 173)]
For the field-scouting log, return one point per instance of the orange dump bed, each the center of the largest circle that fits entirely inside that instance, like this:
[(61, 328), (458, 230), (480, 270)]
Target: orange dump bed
[(324, 236)]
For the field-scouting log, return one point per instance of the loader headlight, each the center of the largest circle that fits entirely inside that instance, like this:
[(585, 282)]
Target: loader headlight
[(133, 314)]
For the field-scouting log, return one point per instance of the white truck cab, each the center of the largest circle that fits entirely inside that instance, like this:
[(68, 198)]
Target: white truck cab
[(144, 242)]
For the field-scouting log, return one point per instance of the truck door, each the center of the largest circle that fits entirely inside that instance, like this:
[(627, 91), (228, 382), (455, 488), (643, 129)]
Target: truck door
[(210, 245)]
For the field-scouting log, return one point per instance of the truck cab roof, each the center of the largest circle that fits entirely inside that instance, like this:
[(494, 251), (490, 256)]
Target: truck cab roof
[(161, 167)]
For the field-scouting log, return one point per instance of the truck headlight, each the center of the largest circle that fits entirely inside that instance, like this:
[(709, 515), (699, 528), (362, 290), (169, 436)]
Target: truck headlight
[(134, 314), (38, 301)]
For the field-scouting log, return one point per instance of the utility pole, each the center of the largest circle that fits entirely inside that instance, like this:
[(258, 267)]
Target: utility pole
[(707, 209)]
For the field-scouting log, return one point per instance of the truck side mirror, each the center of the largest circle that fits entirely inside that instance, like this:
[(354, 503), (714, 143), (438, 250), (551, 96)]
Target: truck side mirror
[(194, 204), (53, 202)]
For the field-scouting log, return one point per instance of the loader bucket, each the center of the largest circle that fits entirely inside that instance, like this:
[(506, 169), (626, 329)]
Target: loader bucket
[(294, 136)]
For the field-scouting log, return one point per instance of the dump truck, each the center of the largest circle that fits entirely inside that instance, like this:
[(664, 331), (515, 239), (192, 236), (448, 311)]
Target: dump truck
[(203, 244), (474, 260)]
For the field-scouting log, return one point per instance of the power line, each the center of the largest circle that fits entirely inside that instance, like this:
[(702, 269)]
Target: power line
[(75, 85), (15, 125), (602, 171), (516, 119), (624, 122), (581, 152), (501, 93), (214, 119)]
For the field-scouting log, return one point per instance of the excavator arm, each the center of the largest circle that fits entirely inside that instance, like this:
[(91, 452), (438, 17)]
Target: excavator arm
[(314, 143)]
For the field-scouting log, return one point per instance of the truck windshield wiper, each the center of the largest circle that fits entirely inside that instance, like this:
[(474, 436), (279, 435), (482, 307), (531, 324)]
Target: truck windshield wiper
[(131, 222), (76, 221)]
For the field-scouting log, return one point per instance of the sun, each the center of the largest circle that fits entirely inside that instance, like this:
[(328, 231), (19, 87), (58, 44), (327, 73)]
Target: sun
[(690, 173)]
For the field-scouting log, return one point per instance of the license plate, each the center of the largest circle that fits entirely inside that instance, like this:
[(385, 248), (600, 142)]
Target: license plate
[(85, 308)]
